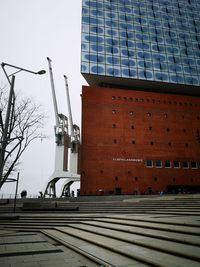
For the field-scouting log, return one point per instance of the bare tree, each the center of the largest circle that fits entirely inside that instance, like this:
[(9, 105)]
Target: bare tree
[(25, 125)]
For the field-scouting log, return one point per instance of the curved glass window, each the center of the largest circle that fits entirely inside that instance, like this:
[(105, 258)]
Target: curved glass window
[(95, 58), (143, 74), (112, 50), (97, 13), (94, 4), (97, 70), (177, 79), (112, 71), (112, 32), (96, 29), (111, 41), (97, 48), (94, 39), (143, 46), (161, 76), (112, 60)]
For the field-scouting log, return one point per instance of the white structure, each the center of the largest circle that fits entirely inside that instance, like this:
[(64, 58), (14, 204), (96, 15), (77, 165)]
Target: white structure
[(67, 143)]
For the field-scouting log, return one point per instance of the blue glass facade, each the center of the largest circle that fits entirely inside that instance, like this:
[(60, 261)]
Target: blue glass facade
[(149, 40)]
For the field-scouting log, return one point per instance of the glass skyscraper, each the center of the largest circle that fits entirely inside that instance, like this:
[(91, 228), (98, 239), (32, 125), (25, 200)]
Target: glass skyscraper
[(137, 41)]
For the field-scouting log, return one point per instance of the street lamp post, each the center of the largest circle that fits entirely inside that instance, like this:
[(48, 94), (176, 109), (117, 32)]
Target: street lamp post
[(10, 111)]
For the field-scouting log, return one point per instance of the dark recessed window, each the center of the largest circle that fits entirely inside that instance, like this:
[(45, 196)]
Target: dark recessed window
[(101, 171), (183, 117), (184, 130), (155, 179), (114, 111), (176, 164), (167, 129), (148, 114), (114, 125), (133, 142), (152, 143), (192, 180), (169, 144), (130, 98), (113, 97), (198, 118), (174, 179), (167, 164), (115, 141), (149, 163), (116, 178), (118, 97), (150, 128), (136, 179), (185, 164), (132, 127), (158, 163), (125, 98), (186, 145), (193, 165)]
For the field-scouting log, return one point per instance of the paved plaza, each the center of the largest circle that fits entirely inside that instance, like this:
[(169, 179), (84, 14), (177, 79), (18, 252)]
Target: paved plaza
[(135, 232)]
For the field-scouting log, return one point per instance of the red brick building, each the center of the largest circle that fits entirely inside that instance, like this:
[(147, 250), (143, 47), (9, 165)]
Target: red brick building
[(139, 142)]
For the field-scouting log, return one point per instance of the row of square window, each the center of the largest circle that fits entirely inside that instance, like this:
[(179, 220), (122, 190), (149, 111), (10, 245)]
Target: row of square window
[(142, 40), (140, 32), (148, 114), (150, 143), (158, 101), (144, 50), (138, 63), (138, 26), (151, 19), (169, 164), (131, 47), (127, 6), (140, 74), (142, 4)]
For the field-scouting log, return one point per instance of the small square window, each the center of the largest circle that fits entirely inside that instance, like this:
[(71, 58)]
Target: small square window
[(149, 163), (167, 164), (185, 165), (158, 163), (193, 165), (176, 164)]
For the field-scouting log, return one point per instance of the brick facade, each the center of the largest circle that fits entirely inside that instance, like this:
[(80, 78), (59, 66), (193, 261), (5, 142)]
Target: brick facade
[(139, 142)]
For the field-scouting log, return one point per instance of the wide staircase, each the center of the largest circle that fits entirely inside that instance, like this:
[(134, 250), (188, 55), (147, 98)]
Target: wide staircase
[(153, 231)]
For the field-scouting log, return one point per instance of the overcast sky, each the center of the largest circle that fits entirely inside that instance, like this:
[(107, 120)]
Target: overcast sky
[(32, 30)]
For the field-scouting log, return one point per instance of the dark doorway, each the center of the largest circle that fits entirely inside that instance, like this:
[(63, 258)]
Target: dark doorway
[(118, 191)]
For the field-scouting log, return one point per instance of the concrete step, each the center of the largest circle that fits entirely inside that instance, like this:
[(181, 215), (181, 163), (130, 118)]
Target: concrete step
[(157, 226), (149, 256), (154, 233), (155, 243), (97, 253)]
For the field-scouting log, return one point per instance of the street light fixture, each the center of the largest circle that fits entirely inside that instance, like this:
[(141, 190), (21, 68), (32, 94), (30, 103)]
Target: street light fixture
[(3, 64), (10, 111)]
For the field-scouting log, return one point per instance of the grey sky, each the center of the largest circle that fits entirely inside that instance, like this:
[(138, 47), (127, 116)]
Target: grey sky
[(31, 30)]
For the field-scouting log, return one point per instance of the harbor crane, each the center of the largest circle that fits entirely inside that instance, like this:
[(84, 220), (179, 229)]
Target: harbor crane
[(67, 139)]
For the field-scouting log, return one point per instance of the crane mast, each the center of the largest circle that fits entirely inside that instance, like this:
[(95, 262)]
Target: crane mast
[(69, 108), (65, 144), (53, 91)]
